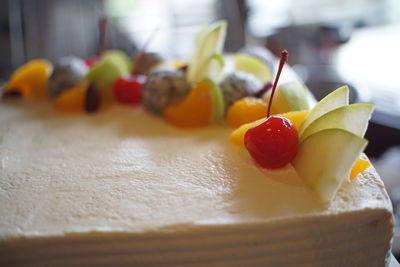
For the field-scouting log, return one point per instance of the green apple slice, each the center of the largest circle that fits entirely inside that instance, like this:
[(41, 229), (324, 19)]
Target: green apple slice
[(291, 96), (336, 99), (112, 65), (210, 41), (253, 65), (353, 118), (325, 158), (218, 102)]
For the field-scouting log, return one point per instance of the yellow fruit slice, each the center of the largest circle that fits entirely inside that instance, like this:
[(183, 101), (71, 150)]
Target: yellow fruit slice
[(253, 65), (246, 110), (72, 100), (296, 117), (195, 110), (360, 166), (31, 79)]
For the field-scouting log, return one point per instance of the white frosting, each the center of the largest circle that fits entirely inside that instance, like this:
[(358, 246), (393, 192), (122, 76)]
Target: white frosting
[(123, 170)]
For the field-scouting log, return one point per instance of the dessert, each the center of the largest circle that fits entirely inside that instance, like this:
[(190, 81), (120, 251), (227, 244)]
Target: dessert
[(124, 186)]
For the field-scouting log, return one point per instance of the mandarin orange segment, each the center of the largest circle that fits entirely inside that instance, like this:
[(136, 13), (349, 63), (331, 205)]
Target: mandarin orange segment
[(72, 100), (195, 110), (360, 166), (246, 110), (31, 79)]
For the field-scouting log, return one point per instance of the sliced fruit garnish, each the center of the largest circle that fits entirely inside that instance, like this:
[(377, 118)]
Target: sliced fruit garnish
[(336, 99), (210, 41), (218, 111), (246, 110), (296, 117), (353, 118), (360, 166), (112, 65), (291, 96), (253, 65), (325, 158), (195, 110), (72, 100), (31, 79)]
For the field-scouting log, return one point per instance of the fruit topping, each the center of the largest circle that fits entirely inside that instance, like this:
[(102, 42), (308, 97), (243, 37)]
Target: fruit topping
[(127, 89), (218, 111), (331, 142), (162, 89), (72, 100), (209, 43), (112, 65), (353, 118), (237, 85), (246, 110), (336, 99), (150, 61), (291, 96), (324, 160), (253, 65), (360, 166), (103, 23), (67, 73), (195, 110), (295, 117), (31, 79), (93, 98), (273, 143), (261, 53), (11, 94)]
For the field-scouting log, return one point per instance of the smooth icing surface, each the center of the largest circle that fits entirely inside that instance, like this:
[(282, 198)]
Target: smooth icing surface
[(118, 179), (124, 169)]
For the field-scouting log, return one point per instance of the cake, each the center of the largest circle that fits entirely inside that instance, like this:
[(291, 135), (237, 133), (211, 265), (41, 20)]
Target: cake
[(123, 186)]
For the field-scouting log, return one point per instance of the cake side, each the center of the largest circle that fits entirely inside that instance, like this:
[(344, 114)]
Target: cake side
[(357, 238)]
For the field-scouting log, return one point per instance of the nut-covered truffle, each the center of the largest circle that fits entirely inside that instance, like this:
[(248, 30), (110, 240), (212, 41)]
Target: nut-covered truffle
[(238, 85), (164, 88), (67, 73)]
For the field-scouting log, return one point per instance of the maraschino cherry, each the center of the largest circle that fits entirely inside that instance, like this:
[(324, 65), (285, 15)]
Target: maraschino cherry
[(91, 61), (273, 143), (127, 89)]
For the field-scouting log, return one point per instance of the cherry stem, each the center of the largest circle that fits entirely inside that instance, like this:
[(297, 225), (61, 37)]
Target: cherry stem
[(284, 58), (142, 53), (103, 34)]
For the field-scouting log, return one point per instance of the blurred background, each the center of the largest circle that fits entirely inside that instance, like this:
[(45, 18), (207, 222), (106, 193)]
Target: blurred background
[(331, 43)]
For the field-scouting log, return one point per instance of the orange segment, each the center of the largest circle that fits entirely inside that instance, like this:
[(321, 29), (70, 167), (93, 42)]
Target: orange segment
[(296, 117), (360, 166), (246, 110), (237, 136), (195, 110), (31, 79), (72, 100)]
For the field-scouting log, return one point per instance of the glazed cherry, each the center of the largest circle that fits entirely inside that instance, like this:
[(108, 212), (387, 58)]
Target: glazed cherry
[(127, 90), (273, 143), (91, 61)]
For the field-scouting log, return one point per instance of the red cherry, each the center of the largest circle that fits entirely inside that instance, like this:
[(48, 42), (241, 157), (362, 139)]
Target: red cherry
[(127, 90), (273, 143), (91, 61)]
